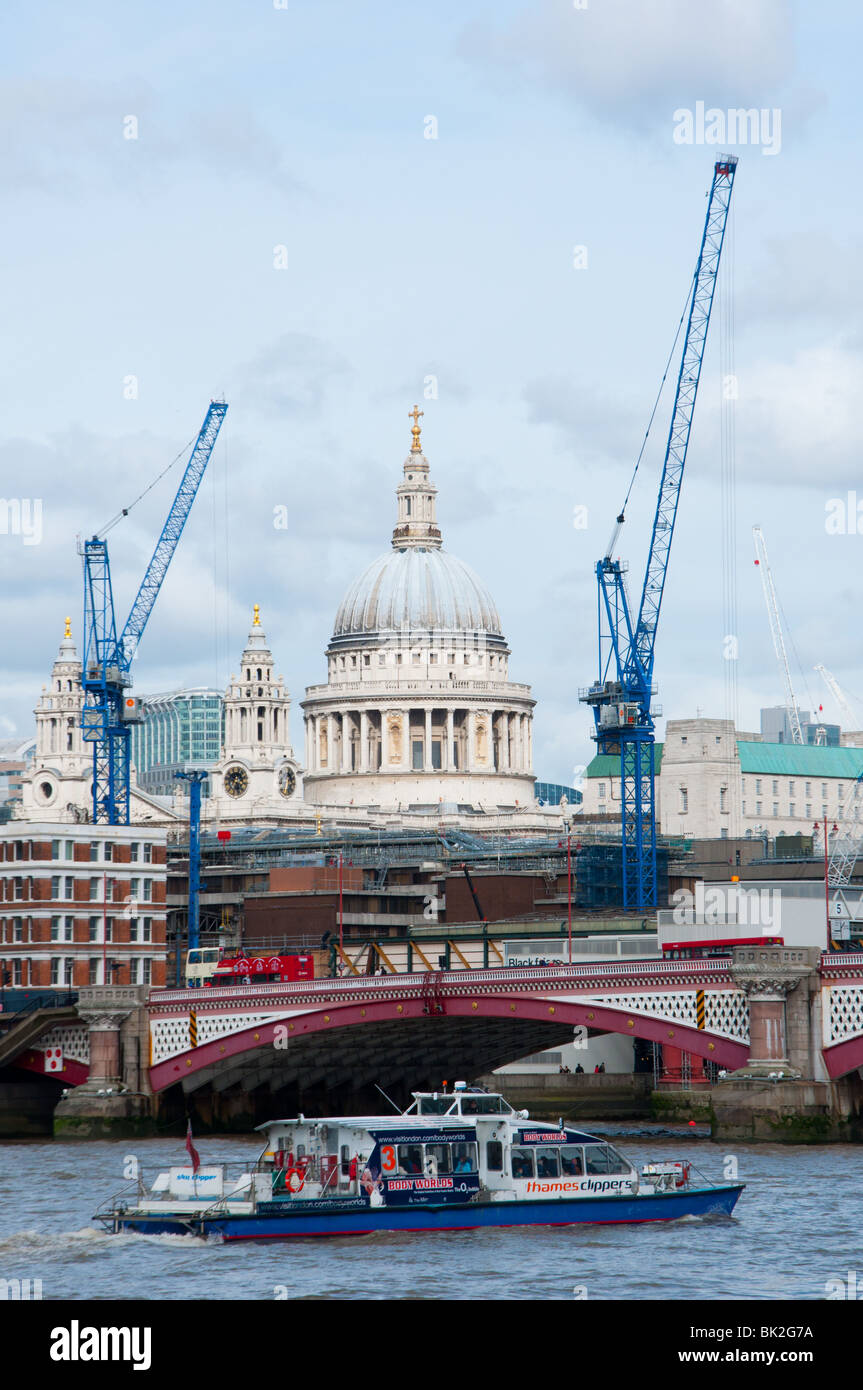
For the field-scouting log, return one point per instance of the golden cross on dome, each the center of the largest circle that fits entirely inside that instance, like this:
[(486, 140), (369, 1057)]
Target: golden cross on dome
[(256, 609), (68, 632), (416, 415)]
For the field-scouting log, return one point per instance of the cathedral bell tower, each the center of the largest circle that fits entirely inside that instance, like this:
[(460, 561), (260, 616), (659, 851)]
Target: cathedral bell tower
[(58, 781), (257, 773)]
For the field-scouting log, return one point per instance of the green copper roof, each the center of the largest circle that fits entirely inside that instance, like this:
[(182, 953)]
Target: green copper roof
[(772, 759), (799, 760), (608, 764)]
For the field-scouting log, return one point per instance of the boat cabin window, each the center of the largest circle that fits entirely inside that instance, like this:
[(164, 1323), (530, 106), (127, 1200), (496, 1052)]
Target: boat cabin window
[(522, 1163), (602, 1158), (346, 1160), (411, 1158), (484, 1105), (463, 1104), (464, 1158), (436, 1105), (571, 1161), (547, 1163), (494, 1156), (438, 1159)]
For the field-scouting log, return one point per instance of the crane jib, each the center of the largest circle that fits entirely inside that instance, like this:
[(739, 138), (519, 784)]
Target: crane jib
[(109, 709), (701, 304), (171, 531)]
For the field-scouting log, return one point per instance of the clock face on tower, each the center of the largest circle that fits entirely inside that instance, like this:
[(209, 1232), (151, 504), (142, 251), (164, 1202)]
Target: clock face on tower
[(287, 781), (236, 781)]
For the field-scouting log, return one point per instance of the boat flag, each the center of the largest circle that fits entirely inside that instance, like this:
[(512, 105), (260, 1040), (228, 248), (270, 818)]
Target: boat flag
[(193, 1152)]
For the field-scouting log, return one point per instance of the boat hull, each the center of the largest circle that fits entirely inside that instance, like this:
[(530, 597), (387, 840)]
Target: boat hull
[(341, 1219)]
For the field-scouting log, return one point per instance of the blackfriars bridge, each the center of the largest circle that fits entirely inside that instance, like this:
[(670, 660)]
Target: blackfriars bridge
[(782, 1016)]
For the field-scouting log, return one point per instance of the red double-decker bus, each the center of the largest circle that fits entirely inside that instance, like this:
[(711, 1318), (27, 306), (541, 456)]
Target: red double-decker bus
[(263, 970), (700, 950)]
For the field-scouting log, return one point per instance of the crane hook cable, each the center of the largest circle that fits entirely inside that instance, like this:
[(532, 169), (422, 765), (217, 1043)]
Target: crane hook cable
[(126, 510)]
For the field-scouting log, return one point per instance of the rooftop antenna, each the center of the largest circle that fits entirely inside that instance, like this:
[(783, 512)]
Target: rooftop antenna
[(395, 1107)]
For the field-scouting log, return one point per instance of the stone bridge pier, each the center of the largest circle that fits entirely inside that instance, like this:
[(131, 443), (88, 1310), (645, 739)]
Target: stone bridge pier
[(783, 990), (784, 1092), (116, 1099)]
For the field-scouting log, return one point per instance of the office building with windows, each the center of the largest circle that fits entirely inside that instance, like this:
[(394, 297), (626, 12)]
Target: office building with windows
[(82, 905), (15, 755), (776, 728), (716, 782), (179, 729)]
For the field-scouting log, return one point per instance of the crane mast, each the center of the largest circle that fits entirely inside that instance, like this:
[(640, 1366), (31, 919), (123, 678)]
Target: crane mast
[(109, 710), (622, 694), (770, 599)]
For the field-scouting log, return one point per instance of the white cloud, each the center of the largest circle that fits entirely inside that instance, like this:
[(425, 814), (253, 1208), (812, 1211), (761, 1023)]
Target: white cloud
[(291, 375), (808, 277), (798, 419), (627, 62), (62, 136), (590, 425)]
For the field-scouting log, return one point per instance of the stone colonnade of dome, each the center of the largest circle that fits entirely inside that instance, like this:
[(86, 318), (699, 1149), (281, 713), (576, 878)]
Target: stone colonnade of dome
[(419, 748)]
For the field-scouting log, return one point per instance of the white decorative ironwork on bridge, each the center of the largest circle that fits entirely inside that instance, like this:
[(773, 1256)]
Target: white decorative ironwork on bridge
[(644, 988)]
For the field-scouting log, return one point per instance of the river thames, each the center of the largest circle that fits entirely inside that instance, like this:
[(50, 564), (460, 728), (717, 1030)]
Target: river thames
[(796, 1227)]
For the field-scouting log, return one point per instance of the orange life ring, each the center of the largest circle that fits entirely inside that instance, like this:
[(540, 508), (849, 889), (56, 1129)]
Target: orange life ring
[(300, 1176)]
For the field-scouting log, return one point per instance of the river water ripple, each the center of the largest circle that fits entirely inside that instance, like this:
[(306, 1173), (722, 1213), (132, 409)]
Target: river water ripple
[(797, 1225)]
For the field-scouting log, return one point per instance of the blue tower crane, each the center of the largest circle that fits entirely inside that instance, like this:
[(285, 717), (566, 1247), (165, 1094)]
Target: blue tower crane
[(621, 696), (109, 710)]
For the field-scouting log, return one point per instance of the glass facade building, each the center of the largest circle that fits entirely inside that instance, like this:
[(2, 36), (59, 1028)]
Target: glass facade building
[(550, 793), (180, 729)]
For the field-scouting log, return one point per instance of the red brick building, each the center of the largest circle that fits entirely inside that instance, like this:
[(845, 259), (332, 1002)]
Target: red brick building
[(81, 905)]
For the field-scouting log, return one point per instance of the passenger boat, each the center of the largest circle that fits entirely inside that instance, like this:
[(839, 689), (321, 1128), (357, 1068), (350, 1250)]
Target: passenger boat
[(453, 1160)]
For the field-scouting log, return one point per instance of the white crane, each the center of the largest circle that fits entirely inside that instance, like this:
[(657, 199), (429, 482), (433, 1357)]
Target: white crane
[(853, 720), (776, 631)]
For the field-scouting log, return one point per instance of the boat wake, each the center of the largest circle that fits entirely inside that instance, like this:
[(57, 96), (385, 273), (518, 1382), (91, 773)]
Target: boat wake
[(84, 1242), (707, 1218)]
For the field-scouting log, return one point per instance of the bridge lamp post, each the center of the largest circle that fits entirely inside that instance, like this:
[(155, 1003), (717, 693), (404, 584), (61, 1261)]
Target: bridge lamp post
[(341, 917), (569, 887), (816, 828), (105, 924)]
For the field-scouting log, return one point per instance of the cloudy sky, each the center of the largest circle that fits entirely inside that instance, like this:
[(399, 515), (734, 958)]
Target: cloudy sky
[(206, 198)]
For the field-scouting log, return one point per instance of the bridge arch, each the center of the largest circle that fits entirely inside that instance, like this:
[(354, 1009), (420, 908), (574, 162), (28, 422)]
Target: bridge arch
[(496, 1029), (844, 1057)]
